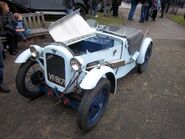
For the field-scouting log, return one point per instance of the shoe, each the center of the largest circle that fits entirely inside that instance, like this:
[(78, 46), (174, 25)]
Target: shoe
[(96, 16), (131, 19), (5, 50), (140, 21), (4, 89)]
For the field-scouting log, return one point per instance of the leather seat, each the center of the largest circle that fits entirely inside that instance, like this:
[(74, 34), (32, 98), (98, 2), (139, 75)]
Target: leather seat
[(134, 41), (133, 35)]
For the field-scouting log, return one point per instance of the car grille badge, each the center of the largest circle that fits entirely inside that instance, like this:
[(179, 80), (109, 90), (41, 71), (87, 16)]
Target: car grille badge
[(54, 51)]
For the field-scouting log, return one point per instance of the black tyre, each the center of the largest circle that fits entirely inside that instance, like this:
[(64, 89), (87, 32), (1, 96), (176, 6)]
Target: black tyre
[(29, 79), (93, 105), (142, 67)]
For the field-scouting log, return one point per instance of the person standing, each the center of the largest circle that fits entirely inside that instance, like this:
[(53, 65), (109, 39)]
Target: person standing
[(149, 9), (107, 7), (163, 7), (7, 27), (69, 4), (3, 87), (115, 7), (168, 6), (144, 8), (93, 7), (155, 7), (134, 4)]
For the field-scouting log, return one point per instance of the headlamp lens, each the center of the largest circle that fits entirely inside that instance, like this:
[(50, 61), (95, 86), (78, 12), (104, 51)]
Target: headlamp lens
[(75, 64), (34, 52)]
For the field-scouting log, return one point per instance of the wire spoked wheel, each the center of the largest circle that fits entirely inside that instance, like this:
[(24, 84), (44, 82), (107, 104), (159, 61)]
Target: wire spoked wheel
[(29, 79)]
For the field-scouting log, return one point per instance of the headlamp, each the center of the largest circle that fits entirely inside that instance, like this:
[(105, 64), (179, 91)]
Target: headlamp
[(75, 64), (35, 51)]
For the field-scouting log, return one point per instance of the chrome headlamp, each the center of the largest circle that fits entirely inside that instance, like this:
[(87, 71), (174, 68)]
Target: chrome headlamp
[(75, 64), (35, 51)]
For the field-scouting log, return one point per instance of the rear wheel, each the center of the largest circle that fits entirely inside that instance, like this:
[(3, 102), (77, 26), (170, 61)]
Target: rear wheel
[(29, 79), (93, 105), (142, 67)]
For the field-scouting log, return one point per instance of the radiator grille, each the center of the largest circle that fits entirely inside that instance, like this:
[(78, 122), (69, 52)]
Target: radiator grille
[(55, 69)]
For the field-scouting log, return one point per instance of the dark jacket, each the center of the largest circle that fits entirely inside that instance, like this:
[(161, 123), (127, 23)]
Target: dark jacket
[(1, 57), (7, 21), (145, 2), (134, 2), (116, 2), (94, 2), (1, 46), (163, 2), (1, 27)]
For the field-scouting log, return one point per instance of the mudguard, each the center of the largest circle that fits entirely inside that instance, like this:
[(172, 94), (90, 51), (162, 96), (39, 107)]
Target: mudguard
[(91, 79), (143, 49), (23, 57)]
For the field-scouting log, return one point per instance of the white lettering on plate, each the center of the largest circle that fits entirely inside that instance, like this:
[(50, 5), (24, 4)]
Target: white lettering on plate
[(56, 79)]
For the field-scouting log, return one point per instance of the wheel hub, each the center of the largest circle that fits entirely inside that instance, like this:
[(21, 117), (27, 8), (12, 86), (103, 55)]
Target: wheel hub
[(97, 105), (37, 77)]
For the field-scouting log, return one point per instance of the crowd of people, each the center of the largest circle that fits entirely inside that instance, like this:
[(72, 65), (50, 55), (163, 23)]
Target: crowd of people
[(149, 8), (109, 5)]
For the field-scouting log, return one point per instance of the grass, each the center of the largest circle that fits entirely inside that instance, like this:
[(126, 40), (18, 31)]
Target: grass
[(101, 19), (178, 19), (110, 20)]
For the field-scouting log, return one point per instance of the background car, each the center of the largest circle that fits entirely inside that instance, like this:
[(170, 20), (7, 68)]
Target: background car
[(47, 6)]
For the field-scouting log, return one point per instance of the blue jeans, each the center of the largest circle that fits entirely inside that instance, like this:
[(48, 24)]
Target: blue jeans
[(23, 35), (143, 13), (132, 11), (69, 10)]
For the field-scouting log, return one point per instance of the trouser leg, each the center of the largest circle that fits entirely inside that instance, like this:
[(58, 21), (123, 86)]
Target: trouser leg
[(1, 68), (154, 14), (132, 11), (12, 41)]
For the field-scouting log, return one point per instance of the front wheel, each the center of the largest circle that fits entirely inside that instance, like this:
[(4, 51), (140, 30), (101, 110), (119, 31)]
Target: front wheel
[(142, 67), (29, 79), (93, 105)]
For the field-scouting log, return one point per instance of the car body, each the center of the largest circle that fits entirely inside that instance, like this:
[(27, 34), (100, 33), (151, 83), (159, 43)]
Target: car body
[(46, 6), (85, 62)]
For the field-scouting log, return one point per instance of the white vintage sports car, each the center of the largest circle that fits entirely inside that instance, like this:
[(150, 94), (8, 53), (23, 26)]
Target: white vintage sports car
[(82, 66)]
